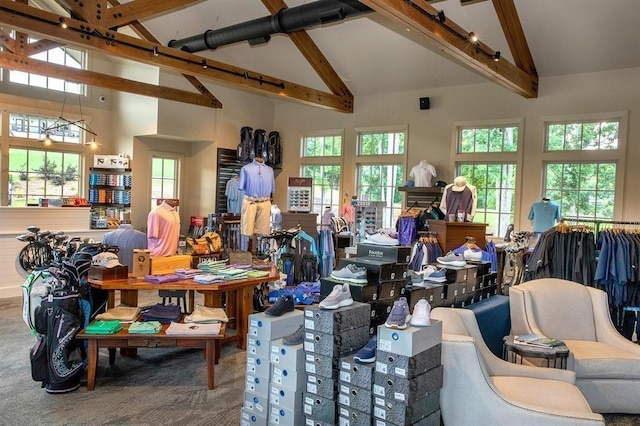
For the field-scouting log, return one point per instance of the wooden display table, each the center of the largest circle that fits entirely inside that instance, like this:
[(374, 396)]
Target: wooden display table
[(242, 289), (122, 339), (451, 235)]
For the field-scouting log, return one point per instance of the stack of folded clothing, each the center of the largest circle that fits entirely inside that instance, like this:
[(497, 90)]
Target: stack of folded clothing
[(212, 266), (163, 313), (162, 279), (257, 274), (122, 313), (205, 315), (233, 273), (145, 327), (187, 273), (103, 327), (179, 328), (209, 278)]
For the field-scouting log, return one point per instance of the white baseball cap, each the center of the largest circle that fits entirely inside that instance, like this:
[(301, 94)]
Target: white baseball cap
[(106, 259)]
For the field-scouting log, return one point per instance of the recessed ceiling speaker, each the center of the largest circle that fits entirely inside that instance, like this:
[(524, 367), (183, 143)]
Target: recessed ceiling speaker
[(424, 103)]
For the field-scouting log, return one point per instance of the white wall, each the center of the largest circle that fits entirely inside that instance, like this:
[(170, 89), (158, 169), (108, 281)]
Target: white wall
[(431, 131)]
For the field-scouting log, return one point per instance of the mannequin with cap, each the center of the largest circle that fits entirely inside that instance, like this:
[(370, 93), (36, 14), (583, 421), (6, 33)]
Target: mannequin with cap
[(460, 196)]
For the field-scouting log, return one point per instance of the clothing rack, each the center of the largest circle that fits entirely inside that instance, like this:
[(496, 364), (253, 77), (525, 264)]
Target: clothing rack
[(597, 224)]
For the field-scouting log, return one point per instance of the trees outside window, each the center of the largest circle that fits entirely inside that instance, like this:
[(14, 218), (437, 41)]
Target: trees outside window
[(164, 178), (322, 161)]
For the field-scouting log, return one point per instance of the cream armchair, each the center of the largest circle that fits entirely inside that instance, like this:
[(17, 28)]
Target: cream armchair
[(607, 365), (480, 388)]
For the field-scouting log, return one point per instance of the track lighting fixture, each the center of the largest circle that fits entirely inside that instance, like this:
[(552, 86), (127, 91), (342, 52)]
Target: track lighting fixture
[(63, 23), (155, 50), (473, 37), (204, 64), (441, 16), (496, 56)]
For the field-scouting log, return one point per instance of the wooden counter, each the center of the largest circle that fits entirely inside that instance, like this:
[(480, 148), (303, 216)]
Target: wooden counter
[(451, 235)]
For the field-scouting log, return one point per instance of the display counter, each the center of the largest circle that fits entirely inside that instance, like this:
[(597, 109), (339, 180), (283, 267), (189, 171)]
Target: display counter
[(451, 235)]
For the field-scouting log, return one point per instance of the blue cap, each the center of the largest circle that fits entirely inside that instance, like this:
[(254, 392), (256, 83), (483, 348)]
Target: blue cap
[(410, 183)]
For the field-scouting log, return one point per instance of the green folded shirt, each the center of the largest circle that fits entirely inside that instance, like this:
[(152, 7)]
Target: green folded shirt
[(103, 327)]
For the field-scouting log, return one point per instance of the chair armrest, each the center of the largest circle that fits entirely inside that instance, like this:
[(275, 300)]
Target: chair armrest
[(605, 330)]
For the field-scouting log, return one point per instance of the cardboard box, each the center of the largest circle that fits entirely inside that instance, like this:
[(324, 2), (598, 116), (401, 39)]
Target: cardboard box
[(408, 367), (484, 268), (282, 417), (285, 398), (410, 341), (258, 366), (435, 293), (141, 263), (257, 384), (351, 417), (288, 378), (101, 273), (397, 413), (257, 404), (413, 294), (168, 265), (336, 321), (290, 356), (390, 289), (355, 397), (322, 386), (396, 254), (407, 391), (455, 274), (336, 345), (248, 418), (319, 409), (267, 327), (321, 365), (359, 292), (356, 374), (378, 270)]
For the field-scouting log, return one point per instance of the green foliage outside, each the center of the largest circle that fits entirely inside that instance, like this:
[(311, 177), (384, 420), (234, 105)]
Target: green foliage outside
[(381, 143), (582, 136), (322, 146), (494, 139)]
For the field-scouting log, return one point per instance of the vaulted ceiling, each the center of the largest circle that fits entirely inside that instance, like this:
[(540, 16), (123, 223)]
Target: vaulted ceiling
[(400, 45)]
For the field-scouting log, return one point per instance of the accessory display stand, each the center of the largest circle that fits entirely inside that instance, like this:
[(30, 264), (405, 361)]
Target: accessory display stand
[(299, 194), (368, 218)]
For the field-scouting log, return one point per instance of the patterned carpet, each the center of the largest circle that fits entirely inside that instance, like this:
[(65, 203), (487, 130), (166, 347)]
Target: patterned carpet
[(158, 387)]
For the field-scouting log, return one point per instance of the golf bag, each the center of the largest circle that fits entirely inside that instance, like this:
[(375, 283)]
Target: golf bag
[(260, 142), (274, 149), (245, 146)]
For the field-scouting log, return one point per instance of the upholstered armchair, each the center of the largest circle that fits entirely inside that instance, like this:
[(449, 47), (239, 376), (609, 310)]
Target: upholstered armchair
[(607, 365), (480, 388)]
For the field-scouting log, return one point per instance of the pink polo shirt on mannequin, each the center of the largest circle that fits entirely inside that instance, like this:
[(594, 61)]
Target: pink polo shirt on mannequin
[(163, 231)]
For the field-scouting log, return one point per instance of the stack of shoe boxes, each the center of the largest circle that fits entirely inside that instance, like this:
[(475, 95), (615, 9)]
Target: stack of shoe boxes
[(408, 376), (365, 293), (263, 329), (486, 281), (355, 396), (329, 334), (288, 379)]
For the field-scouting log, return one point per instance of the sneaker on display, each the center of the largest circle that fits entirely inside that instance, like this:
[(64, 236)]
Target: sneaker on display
[(296, 338), (452, 259), (431, 273), (351, 273), (473, 255), (367, 354), (340, 296), (283, 305), (417, 278), (381, 239), (421, 314), (399, 315)]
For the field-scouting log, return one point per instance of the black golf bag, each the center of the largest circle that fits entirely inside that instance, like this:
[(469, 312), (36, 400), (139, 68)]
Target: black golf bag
[(260, 142), (246, 143)]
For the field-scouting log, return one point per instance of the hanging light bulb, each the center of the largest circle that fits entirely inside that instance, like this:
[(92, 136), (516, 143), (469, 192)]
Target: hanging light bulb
[(47, 139), (473, 37)]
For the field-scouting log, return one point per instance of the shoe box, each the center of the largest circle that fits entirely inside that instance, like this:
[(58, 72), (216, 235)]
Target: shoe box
[(248, 418), (258, 365), (383, 309), (432, 419), (324, 387), (319, 411), (391, 289), (489, 291), (378, 270), (484, 268), (488, 280), (407, 391), (336, 321), (351, 417), (264, 328), (285, 398), (289, 356), (355, 397), (257, 384), (411, 341), (321, 365), (408, 367), (435, 292), (288, 378), (256, 404), (395, 254), (258, 347), (396, 413), (336, 345), (359, 292), (456, 290), (454, 274), (356, 374), (283, 417)]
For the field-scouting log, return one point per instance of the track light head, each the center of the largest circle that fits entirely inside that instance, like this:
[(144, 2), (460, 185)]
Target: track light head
[(496, 56), (441, 16), (473, 37)]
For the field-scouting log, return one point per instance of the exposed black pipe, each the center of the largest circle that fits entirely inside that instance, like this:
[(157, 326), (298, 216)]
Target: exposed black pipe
[(284, 21)]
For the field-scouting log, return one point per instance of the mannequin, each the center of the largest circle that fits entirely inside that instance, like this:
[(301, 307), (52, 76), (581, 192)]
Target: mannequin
[(163, 230), (234, 195), (348, 209), (326, 218), (422, 173), (460, 196), (544, 214), (127, 239), (257, 182)]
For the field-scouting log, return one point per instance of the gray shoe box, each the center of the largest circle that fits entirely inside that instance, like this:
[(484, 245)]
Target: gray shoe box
[(391, 289), (408, 367), (355, 397), (257, 384), (266, 327), (454, 274), (432, 419), (353, 373), (248, 418), (317, 408), (436, 292), (410, 341), (257, 404), (322, 386), (383, 309), (397, 254), (288, 378), (378, 270), (398, 413), (336, 345), (258, 366), (291, 357), (407, 391), (351, 417), (413, 294), (285, 398), (321, 365), (258, 346), (337, 320), (282, 417), (359, 292), (308, 421)]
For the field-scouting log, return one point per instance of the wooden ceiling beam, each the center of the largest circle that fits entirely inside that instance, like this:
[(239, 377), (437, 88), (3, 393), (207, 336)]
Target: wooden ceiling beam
[(26, 64), (313, 54), (143, 32), (513, 32), (32, 20), (7, 42), (40, 46), (443, 38), (127, 13)]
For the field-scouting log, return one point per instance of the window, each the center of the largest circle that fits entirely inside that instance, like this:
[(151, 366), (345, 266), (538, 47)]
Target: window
[(164, 178), (380, 169), (582, 136), (35, 174), (35, 127), (487, 155), (61, 55), (321, 161)]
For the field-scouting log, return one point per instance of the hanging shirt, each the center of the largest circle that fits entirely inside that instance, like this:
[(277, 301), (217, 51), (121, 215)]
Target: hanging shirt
[(276, 218), (234, 196), (422, 173), (163, 230), (455, 199), (326, 218), (257, 180), (544, 215), (348, 211)]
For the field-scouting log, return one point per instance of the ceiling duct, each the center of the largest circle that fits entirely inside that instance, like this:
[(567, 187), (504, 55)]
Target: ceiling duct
[(284, 21)]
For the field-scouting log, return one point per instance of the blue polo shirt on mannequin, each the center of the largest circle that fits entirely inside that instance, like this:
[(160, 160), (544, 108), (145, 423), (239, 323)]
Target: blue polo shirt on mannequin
[(544, 215), (257, 180)]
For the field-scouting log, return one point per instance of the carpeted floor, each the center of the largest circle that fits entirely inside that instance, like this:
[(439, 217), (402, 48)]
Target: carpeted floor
[(158, 387)]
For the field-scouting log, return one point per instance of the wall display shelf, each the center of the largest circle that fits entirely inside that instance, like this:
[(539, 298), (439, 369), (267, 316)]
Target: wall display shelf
[(421, 196), (368, 217), (109, 196)]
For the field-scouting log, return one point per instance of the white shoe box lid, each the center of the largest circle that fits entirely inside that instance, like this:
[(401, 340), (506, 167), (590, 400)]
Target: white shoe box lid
[(291, 356), (410, 341), (267, 327)]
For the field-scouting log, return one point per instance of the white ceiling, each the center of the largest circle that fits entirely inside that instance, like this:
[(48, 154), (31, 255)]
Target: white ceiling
[(373, 56)]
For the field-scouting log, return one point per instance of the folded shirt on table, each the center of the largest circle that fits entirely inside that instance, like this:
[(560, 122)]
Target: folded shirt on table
[(145, 327), (121, 313), (203, 314), (103, 327), (161, 279), (163, 313), (209, 278), (257, 274), (190, 328)]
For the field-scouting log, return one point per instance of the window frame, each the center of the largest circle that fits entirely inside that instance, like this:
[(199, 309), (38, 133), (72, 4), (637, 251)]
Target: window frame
[(179, 159)]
